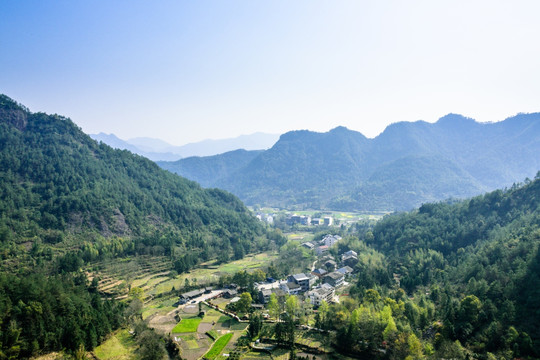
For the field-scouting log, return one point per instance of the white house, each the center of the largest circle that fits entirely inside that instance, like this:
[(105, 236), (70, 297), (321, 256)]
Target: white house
[(330, 240), (324, 292)]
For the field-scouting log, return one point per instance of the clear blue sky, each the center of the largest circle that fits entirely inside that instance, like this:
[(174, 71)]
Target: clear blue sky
[(184, 71)]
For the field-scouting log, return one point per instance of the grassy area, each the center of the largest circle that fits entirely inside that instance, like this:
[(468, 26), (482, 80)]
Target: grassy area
[(187, 325), (159, 306), (120, 346), (223, 319), (213, 334), (218, 346), (250, 262), (211, 316), (190, 341), (228, 323), (211, 272), (300, 236)]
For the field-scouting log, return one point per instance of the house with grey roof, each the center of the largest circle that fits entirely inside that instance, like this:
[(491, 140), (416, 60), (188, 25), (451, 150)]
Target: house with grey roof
[(319, 272), (290, 288), (325, 292), (264, 295), (346, 270), (334, 278), (300, 279)]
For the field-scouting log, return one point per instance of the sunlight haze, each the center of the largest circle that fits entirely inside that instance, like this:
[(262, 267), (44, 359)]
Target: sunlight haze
[(187, 71)]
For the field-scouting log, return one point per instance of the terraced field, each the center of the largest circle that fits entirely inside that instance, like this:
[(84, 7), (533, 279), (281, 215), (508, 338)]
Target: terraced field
[(116, 278), (153, 276)]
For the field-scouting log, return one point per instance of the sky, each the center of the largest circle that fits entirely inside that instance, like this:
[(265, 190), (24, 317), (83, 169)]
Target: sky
[(184, 71)]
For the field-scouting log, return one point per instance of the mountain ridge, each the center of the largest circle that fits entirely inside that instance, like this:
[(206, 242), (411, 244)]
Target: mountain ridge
[(159, 150), (343, 170)]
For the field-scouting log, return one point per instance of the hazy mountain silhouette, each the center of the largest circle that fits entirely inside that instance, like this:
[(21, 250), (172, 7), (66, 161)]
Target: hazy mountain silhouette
[(159, 150), (408, 164)]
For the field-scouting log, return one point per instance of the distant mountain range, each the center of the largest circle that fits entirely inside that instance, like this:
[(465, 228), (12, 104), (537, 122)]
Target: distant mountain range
[(410, 163), (159, 150)]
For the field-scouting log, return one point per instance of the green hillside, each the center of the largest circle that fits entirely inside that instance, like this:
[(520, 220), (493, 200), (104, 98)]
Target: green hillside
[(61, 190), (470, 272), (68, 202)]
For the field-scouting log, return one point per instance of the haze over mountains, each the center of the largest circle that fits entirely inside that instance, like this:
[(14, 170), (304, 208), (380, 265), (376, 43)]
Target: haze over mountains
[(410, 163), (156, 149)]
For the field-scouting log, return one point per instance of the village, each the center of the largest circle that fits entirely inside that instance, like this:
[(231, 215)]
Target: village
[(328, 279), (327, 275)]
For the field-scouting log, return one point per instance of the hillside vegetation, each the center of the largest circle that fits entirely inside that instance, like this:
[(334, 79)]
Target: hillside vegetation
[(455, 280), (66, 202), (59, 189)]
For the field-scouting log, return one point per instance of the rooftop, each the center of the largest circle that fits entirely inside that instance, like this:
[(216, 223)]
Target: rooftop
[(300, 277)]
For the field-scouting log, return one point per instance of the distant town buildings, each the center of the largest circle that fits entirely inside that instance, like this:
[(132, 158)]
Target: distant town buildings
[(299, 219), (307, 220)]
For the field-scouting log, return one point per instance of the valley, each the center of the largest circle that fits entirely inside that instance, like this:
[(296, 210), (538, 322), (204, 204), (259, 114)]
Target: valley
[(105, 255)]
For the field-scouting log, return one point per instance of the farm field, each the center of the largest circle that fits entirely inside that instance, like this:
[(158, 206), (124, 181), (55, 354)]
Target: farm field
[(153, 276), (191, 333), (218, 346), (187, 325)]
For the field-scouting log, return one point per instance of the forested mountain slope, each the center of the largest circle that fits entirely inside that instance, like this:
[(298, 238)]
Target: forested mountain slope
[(59, 188), (471, 270), (406, 165)]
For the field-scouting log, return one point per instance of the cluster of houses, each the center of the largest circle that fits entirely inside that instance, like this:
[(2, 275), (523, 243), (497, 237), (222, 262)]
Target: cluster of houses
[(321, 283), (307, 220), (294, 219), (324, 245)]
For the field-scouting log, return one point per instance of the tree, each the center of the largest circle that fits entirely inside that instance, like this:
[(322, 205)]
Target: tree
[(255, 325), (244, 304), (136, 293), (291, 306), (323, 310), (273, 306), (150, 346), (372, 296)]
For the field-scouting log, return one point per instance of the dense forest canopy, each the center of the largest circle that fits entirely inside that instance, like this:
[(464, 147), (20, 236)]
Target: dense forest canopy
[(59, 186), (467, 271)]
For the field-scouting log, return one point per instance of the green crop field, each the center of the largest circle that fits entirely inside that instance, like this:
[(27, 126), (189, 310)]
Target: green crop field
[(187, 325), (218, 346)]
